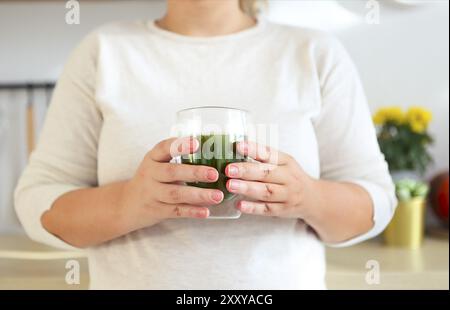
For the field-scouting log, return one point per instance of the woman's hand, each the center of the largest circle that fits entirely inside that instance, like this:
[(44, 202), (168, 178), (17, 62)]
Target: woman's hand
[(91, 216), (156, 191), (275, 184)]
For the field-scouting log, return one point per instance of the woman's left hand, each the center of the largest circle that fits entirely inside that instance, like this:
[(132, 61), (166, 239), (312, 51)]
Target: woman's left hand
[(273, 185)]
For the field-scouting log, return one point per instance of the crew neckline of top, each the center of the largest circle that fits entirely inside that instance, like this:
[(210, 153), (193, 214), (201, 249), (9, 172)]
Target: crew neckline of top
[(246, 33)]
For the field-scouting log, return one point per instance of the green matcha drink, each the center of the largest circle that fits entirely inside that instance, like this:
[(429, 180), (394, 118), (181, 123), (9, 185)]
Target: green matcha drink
[(216, 151), (217, 129)]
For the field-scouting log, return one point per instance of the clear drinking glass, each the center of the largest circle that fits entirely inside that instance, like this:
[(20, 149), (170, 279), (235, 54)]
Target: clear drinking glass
[(217, 129)]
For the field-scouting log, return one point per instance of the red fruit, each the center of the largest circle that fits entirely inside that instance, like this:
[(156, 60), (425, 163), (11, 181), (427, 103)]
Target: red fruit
[(439, 196)]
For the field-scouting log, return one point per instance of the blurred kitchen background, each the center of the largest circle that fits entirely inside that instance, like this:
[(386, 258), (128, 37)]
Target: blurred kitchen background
[(403, 59)]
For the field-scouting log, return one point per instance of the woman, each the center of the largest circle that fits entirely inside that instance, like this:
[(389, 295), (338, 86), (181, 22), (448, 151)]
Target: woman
[(101, 179)]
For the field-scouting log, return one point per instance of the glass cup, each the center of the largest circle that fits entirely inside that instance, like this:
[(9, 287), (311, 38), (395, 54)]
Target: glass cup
[(217, 129)]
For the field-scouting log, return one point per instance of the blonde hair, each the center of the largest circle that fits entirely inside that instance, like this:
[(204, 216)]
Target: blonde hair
[(251, 7)]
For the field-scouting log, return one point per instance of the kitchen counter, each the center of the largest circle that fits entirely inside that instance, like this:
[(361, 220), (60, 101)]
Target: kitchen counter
[(399, 268), (27, 265)]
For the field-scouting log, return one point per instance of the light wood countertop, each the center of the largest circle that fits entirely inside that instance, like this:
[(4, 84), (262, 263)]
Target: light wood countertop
[(41, 267), (400, 268)]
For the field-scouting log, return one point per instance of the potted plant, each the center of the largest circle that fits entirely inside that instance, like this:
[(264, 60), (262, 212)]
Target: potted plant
[(408, 224), (404, 140)]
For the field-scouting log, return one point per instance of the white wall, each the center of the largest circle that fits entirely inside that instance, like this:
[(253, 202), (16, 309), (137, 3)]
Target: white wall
[(403, 60), (35, 39)]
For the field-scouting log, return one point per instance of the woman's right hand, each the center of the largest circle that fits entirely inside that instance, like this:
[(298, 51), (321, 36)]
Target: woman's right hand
[(156, 192)]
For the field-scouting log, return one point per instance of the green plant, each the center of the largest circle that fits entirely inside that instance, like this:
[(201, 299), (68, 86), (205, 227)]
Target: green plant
[(408, 189)]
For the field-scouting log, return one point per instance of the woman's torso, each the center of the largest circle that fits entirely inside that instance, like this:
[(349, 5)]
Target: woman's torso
[(145, 75)]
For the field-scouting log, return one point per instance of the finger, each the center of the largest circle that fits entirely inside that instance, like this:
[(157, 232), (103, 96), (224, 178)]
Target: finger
[(176, 194), (186, 211), (168, 172), (263, 153), (165, 150), (258, 190), (256, 171), (260, 208)]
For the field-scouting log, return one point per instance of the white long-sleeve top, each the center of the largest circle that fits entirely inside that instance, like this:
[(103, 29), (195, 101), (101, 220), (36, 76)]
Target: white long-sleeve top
[(117, 97)]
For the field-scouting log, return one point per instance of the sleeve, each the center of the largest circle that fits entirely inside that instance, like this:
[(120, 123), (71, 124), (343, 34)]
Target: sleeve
[(346, 136), (65, 158)]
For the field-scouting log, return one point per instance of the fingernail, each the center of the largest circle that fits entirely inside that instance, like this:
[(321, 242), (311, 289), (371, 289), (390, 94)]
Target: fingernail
[(243, 147), (243, 206), (217, 196), (234, 185), (232, 171), (201, 213), (212, 175), (185, 146), (192, 144)]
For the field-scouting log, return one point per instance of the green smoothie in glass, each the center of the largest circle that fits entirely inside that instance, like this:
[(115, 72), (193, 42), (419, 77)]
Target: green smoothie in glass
[(217, 129), (216, 151)]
